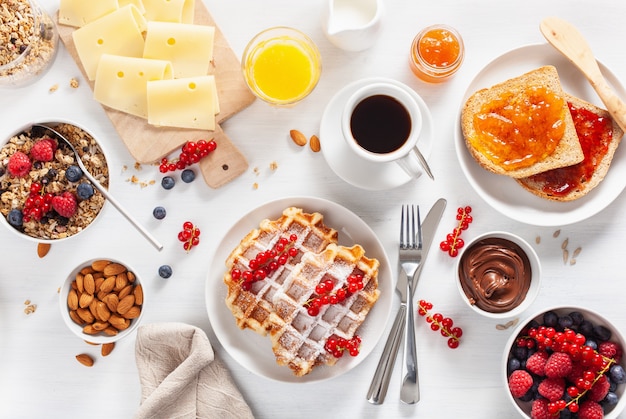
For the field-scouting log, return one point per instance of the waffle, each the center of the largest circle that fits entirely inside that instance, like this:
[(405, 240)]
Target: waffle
[(252, 308), (276, 305), (297, 338)]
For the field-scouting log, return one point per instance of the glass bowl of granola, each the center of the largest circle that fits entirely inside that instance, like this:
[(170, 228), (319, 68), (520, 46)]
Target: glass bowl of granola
[(44, 195), (29, 42)]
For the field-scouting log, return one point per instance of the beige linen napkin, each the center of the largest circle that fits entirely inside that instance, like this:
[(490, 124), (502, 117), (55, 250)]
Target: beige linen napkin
[(180, 377)]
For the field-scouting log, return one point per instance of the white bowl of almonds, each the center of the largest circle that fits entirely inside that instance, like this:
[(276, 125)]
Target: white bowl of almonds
[(44, 195), (102, 300)]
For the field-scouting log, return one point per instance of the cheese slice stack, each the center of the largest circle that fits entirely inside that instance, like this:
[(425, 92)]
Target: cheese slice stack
[(147, 59)]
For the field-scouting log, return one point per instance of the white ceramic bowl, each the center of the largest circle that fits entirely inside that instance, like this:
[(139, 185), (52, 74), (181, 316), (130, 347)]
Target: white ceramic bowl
[(72, 229), (535, 268), (77, 329), (524, 408)]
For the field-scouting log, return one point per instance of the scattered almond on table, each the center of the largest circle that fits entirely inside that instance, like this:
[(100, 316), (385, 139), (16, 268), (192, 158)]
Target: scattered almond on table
[(85, 359), (298, 137), (43, 249)]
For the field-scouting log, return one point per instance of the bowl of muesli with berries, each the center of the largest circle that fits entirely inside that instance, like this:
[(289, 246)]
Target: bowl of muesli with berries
[(566, 362), (44, 195)]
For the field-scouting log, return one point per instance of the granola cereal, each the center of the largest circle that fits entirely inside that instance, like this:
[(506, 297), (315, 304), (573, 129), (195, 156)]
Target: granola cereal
[(28, 41), (51, 175)]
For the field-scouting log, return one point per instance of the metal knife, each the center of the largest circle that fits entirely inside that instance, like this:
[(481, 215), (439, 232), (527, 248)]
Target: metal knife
[(380, 382)]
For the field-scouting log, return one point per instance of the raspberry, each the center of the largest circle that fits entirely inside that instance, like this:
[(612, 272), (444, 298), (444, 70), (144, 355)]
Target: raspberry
[(559, 364), (610, 350), (19, 164), (43, 150), (536, 363), (599, 389), (520, 382), (540, 410), (552, 388), (577, 371), (590, 410), (65, 204)]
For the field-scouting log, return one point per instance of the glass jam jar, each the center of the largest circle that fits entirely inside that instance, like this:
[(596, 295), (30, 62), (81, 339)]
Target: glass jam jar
[(29, 42), (437, 52)]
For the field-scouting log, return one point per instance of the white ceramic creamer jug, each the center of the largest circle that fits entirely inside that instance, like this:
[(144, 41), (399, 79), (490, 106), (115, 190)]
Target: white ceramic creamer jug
[(352, 25)]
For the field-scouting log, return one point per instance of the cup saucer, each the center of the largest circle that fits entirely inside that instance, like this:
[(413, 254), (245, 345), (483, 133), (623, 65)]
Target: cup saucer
[(354, 169)]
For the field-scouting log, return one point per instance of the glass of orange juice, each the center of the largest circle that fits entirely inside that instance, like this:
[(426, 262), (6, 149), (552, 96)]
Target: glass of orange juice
[(281, 65)]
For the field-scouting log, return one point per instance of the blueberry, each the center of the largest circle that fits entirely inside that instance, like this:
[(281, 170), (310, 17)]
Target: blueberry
[(15, 218), (84, 191), (586, 328), (577, 317), (159, 213), (73, 173), (165, 271), (610, 399), (520, 352), (592, 344), (513, 365), (602, 333), (550, 319), (168, 182), (188, 175), (617, 374), (566, 322)]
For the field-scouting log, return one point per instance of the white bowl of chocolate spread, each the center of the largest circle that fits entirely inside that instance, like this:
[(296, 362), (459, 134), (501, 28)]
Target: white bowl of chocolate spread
[(498, 274)]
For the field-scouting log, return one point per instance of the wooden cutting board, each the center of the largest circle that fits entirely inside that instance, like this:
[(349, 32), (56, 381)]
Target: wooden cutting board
[(149, 144)]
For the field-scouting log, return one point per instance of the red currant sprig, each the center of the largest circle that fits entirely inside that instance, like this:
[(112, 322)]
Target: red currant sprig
[(190, 235), (324, 294), (337, 345), (38, 203), (191, 152), (267, 262), (438, 322), (453, 241)]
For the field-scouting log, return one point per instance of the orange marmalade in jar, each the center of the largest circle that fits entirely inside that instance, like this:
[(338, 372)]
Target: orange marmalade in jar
[(437, 52)]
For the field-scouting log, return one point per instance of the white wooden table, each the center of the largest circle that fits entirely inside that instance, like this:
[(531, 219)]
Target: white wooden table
[(39, 376)]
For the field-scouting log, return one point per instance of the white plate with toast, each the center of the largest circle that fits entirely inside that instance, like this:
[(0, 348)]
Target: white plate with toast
[(502, 192), (253, 351)]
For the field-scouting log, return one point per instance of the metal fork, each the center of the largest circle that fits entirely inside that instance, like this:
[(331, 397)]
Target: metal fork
[(410, 257)]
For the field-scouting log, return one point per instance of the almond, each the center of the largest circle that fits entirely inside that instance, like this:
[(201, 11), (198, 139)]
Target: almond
[(99, 265), (90, 330), (87, 270), (110, 331), (108, 284), (100, 326), (125, 304), (107, 348), (314, 143), (121, 280), (114, 269), (85, 299), (98, 282), (131, 277), (76, 318), (118, 322), (297, 137), (125, 291), (72, 300), (89, 284), (103, 311), (111, 301), (138, 293), (85, 359), (80, 282), (43, 249), (132, 313), (85, 315)]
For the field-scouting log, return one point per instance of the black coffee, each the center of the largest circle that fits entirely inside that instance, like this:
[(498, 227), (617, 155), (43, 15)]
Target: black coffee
[(380, 124)]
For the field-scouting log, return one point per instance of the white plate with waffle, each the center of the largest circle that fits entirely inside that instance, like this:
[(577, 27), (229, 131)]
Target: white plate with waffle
[(253, 351), (502, 192)]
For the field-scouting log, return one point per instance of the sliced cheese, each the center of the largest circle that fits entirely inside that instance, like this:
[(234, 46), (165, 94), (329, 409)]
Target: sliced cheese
[(118, 33), (181, 11), (80, 12), (184, 103), (137, 3), (189, 47), (122, 82)]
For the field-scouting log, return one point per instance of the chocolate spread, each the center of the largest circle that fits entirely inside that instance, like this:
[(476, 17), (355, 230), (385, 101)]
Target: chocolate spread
[(495, 274)]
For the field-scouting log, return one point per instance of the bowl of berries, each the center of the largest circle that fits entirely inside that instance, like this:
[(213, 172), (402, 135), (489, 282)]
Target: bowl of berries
[(565, 362), (498, 274), (44, 195), (102, 300)]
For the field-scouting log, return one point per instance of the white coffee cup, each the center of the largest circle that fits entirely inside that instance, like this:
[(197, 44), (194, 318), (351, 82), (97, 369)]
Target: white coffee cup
[(381, 123)]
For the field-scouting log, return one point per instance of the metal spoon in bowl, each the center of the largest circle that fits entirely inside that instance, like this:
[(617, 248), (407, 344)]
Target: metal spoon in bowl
[(102, 189)]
